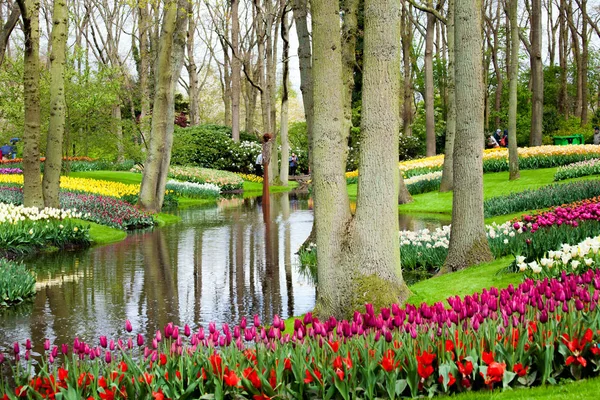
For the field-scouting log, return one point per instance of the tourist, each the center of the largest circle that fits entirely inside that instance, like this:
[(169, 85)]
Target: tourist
[(596, 135), (492, 142), (258, 164), (504, 141), (293, 163), (498, 135), (7, 149)]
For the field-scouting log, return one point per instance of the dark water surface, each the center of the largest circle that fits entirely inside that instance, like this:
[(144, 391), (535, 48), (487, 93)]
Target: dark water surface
[(219, 264)]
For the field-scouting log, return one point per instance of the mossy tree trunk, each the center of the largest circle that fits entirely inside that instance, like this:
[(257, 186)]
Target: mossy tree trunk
[(468, 242), (447, 182), (169, 64), (513, 152), (32, 185), (359, 260), (56, 128)]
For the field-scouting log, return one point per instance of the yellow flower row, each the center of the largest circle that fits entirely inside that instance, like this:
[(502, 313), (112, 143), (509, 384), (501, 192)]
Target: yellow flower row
[(499, 153), (250, 177), (96, 186)]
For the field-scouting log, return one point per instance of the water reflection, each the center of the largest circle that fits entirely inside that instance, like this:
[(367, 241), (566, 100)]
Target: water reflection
[(219, 264)]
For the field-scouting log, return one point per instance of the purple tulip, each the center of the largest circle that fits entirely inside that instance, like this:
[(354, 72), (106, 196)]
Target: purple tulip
[(128, 326), (103, 341), (47, 344), (64, 349), (187, 331), (140, 340), (16, 348), (107, 357)]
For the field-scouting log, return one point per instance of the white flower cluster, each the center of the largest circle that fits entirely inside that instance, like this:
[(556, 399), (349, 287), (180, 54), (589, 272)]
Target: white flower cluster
[(568, 255), (425, 177), (10, 213), (172, 184)]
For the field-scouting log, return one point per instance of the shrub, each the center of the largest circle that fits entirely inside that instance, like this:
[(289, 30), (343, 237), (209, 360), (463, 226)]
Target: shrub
[(16, 282), (543, 197), (196, 190)]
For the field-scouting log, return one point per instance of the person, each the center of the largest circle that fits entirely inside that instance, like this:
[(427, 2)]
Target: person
[(596, 135), (258, 164), (498, 135), (492, 142), (293, 163), (504, 141), (7, 149)]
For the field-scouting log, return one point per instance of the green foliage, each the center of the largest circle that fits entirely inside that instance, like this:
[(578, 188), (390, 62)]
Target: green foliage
[(16, 282), (227, 181), (543, 197)]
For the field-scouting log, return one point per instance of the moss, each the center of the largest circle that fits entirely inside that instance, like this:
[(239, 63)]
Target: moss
[(372, 289)]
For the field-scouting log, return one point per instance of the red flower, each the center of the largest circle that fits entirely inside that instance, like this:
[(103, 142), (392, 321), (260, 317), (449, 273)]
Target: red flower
[(216, 362), (230, 378), (451, 380), (309, 376), (62, 374), (340, 374), (487, 358), (251, 374), (273, 378), (287, 364), (102, 382), (334, 345), (123, 366), (261, 396), (465, 369), (250, 355), (449, 345), (158, 395), (163, 359), (424, 367), (520, 370), (387, 361), (495, 372), (108, 394)]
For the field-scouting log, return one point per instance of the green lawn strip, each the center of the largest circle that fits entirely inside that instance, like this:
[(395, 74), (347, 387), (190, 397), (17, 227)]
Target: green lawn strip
[(133, 178), (102, 234), (252, 189), (163, 219), (185, 202), (584, 389), (465, 282)]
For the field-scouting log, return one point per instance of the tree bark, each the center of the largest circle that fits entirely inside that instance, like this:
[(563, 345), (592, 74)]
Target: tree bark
[(447, 182), (236, 68), (349, 10), (584, 64), (563, 51), (144, 27), (32, 185), (118, 131), (56, 128), (576, 58), (169, 63), (9, 25), (283, 129), (407, 114), (513, 154), (537, 74), (404, 196), (468, 242), (429, 94), (194, 107)]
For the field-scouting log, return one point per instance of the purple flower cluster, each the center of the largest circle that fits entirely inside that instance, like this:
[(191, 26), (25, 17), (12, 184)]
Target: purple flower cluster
[(10, 171)]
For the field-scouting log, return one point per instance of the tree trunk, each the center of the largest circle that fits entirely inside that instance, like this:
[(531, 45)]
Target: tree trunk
[(283, 129), (429, 94), (11, 21), (349, 32), (584, 64), (118, 131), (513, 153), (447, 182), (407, 114), (236, 68), (32, 185), (169, 63), (563, 51), (468, 242), (404, 196), (576, 58), (358, 259), (537, 74), (144, 27), (194, 107), (56, 127)]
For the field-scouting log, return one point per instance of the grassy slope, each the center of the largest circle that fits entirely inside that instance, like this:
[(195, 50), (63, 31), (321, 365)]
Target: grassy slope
[(494, 184), (255, 188), (102, 234), (113, 176)]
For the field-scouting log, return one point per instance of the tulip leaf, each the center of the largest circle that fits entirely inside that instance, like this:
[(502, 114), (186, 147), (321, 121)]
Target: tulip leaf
[(507, 378), (400, 386)]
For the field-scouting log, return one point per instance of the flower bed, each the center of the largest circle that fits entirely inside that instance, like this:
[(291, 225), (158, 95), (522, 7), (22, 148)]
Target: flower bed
[(96, 208), (496, 160), (16, 283), (43, 159), (10, 171), (26, 229), (416, 184), (196, 190), (543, 197), (250, 177), (578, 169), (539, 332), (227, 181)]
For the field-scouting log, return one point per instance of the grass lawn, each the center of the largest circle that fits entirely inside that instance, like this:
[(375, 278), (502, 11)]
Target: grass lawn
[(494, 184), (255, 188), (113, 176), (102, 234), (585, 389)]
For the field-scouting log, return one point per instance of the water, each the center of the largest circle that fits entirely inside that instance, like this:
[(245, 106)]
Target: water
[(219, 264)]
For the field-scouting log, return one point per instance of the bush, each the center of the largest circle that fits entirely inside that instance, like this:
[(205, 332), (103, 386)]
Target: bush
[(210, 146), (16, 282), (546, 196)]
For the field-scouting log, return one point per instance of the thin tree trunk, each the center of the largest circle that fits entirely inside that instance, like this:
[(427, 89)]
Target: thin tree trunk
[(118, 131), (144, 26), (7, 29), (576, 58), (447, 182), (349, 32), (404, 196), (169, 63), (283, 129), (513, 155), (407, 113), (429, 93), (56, 128), (236, 68), (584, 64), (537, 74), (194, 108), (468, 242), (32, 185), (563, 51)]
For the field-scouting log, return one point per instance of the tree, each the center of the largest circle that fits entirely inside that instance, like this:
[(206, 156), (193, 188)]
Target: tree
[(537, 74), (447, 182), (429, 92), (283, 129), (358, 256), (169, 64), (54, 147), (32, 185), (235, 71), (513, 154), (7, 29), (468, 242)]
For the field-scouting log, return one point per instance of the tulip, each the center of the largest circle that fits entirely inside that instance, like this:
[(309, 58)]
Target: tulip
[(186, 330), (140, 340), (107, 357), (47, 344), (128, 326), (103, 341)]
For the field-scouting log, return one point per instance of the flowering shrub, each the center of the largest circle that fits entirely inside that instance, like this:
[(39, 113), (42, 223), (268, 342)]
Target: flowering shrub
[(191, 189), (536, 333), (9, 171), (227, 181), (25, 229), (543, 197), (16, 282), (578, 169)]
